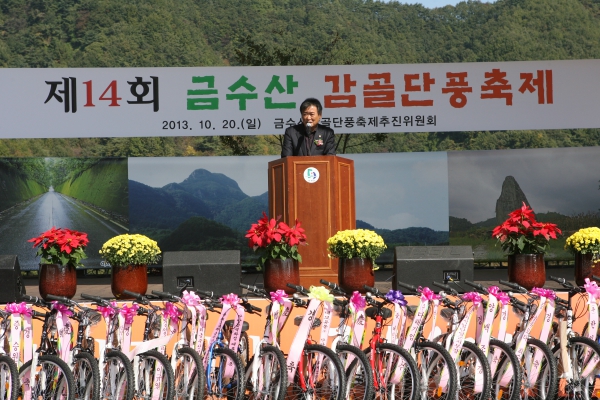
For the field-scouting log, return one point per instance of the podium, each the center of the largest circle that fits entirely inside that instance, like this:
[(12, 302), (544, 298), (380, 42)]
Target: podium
[(318, 191)]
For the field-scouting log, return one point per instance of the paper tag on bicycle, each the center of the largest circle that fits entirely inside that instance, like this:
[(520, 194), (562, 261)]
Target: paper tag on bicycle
[(592, 331), (234, 341), (416, 325), (215, 335), (300, 338), (201, 329), (326, 323), (436, 304), (486, 329), (15, 338)]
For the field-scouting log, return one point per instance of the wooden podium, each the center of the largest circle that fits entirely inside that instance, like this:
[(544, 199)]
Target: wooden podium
[(318, 191)]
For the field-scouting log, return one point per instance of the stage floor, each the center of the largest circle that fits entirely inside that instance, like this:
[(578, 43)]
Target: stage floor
[(100, 286)]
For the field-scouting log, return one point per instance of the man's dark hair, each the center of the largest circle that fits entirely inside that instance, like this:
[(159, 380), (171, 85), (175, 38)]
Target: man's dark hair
[(311, 101)]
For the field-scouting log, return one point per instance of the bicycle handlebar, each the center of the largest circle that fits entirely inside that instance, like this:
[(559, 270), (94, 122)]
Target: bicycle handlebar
[(254, 289), (514, 286), (166, 295), (408, 286), (446, 287), (139, 297), (61, 299), (478, 286), (298, 288)]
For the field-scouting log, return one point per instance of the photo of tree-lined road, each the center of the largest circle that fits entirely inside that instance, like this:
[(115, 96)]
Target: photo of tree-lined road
[(88, 195)]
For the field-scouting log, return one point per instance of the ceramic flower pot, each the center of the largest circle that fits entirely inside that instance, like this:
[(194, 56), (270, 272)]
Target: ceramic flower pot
[(131, 277), (278, 273), (528, 270), (355, 273), (58, 280), (585, 267)]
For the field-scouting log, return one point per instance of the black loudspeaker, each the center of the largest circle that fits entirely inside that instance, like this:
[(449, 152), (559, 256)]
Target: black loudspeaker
[(421, 265), (217, 271), (11, 282)]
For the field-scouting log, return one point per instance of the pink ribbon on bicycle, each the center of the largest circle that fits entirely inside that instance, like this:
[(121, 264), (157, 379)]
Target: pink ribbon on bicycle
[(190, 299), (357, 311), (20, 322), (278, 296), (198, 316), (499, 294), (63, 326), (473, 297), (547, 293), (281, 307), (591, 287), (126, 314), (428, 294)]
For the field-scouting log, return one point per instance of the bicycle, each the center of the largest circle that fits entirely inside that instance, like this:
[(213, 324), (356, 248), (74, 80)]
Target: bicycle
[(395, 371), (535, 357), (578, 356), (116, 371), (436, 366), (347, 343), (313, 369), (185, 360), (153, 375), (46, 375), (500, 355), (84, 365), (472, 366)]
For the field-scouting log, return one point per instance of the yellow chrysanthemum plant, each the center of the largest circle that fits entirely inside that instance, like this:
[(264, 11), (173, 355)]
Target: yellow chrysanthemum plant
[(124, 250), (352, 243), (585, 241)]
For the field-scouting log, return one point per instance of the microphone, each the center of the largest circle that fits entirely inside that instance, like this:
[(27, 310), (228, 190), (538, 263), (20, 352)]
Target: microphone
[(308, 126)]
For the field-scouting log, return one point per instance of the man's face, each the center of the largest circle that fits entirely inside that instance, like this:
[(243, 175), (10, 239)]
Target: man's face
[(311, 115)]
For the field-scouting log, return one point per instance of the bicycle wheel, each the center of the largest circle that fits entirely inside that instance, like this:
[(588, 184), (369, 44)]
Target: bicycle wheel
[(154, 373), (9, 378), (86, 376), (437, 370), (506, 360), (243, 349), (545, 386), (269, 381), (387, 358), (218, 384), (319, 375), (359, 375), (582, 352), (118, 379), (470, 359), (53, 379), (189, 374)]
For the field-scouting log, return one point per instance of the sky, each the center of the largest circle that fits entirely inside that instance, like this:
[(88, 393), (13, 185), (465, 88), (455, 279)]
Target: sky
[(393, 190), (564, 180)]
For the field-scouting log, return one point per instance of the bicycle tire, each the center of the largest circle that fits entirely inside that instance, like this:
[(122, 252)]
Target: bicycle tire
[(432, 360), (243, 349), (9, 376), (321, 368), (148, 367), (507, 359), (271, 380), (217, 384), (359, 374), (117, 378), (546, 385), (470, 358), (581, 386), (389, 354), (54, 379), (86, 376), (189, 374)]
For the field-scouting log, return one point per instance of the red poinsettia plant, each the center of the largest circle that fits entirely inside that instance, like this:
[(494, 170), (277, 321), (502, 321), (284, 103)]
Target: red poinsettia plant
[(276, 239), (61, 246), (522, 234)]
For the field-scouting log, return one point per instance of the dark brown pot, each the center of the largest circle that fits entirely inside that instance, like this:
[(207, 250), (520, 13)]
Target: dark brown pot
[(585, 267), (58, 280), (355, 273), (278, 273), (528, 270), (131, 277)]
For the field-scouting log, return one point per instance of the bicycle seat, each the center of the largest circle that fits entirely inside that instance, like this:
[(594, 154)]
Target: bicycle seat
[(371, 312), (229, 325), (411, 310), (298, 320), (446, 313)]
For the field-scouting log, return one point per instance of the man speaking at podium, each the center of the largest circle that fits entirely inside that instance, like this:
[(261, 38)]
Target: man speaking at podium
[(309, 138)]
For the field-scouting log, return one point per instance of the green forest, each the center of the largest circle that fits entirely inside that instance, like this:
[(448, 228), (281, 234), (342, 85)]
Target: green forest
[(183, 33)]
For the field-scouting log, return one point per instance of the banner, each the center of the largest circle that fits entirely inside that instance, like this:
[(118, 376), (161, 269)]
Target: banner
[(209, 101)]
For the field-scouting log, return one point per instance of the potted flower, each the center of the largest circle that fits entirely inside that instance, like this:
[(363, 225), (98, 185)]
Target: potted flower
[(129, 256), (278, 243), (585, 246), (356, 250), (61, 251), (526, 241)]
